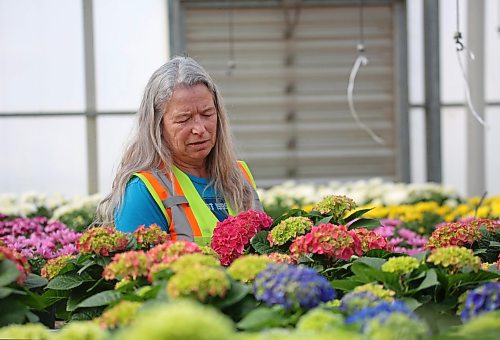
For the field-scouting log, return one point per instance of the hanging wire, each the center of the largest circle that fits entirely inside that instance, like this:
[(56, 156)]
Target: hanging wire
[(460, 46), (231, 63), (361, 60)]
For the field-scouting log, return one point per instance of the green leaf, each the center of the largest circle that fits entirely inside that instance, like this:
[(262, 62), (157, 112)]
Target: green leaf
[(102, 261), (430, 280), (411, 303), (87, 314), (262, 318), (6, 291), (261, 244), (101, 299), (237, 292), (381, 253), (50, 297), (373, 262), (12, 311), (34, 281), (367, 223), (357, 213), (8, 272), (345, 285), (464, 279), (76, 297), (365, 273), (324, 220), (86, 264), (66, 281)]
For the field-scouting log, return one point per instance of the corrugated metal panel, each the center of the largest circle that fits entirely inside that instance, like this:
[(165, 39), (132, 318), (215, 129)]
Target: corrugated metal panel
[(287, 97)]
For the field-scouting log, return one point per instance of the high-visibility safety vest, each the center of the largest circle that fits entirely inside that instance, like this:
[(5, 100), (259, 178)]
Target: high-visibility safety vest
[(187, 214)]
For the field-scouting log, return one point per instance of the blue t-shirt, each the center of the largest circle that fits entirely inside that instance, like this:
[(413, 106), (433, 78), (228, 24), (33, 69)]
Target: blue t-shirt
[(139, 207)]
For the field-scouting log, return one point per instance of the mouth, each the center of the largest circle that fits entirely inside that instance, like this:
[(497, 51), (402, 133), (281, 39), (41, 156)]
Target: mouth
[(198, 143)]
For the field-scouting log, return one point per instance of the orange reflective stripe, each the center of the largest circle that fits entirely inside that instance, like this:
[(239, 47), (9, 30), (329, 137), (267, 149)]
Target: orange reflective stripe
[(160, 190), (187, 209), (242, 168), (162, 194)]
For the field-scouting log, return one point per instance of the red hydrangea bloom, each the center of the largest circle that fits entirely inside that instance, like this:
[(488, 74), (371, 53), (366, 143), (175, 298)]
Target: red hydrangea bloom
[(454, 234), (333, 241), (232, 235), (128, 265), (370, 239), (172, 250), (492, 226), (102, 241), (150, 236), (20, 261)]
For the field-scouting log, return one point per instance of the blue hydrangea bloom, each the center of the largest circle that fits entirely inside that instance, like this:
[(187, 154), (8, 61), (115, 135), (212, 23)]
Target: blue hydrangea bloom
[(355, 301), (292, 286), (380, 311), (483, 299)]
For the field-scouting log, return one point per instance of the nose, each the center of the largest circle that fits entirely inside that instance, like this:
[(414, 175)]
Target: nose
[(198, 127)]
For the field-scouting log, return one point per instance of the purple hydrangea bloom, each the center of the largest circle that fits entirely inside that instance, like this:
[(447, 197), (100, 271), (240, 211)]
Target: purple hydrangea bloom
[(38, 238), (403, 240), (380, 311), (483, 299), (292, 286)]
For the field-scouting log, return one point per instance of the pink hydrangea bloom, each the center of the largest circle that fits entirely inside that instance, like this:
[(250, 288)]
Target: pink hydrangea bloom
[(371, 240), (333, 241), (232, 235), (172, 250)]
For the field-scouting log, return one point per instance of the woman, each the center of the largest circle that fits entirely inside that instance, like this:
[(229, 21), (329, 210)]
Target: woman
[(179, 170)]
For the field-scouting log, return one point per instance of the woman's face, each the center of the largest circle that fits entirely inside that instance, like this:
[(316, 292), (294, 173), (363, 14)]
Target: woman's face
[(190, 124)]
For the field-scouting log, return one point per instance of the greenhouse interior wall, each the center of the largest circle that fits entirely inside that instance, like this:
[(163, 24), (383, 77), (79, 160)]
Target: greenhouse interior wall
[(42, 70)]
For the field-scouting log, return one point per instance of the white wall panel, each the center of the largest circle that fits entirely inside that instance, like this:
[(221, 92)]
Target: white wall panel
[(41, 56), (131, 41), (44, 154)]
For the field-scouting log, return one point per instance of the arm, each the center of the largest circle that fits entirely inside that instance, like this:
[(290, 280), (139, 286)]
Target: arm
[(138, 208)]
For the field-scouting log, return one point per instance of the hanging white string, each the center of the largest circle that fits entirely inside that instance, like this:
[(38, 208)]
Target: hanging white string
[(460, 46), (361, 60), (466, 83)]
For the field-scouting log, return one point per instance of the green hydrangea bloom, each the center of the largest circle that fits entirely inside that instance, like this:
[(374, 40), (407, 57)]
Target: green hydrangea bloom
[(377, 290), (291, 334), (28, 331), (320, 320), (119, 315), (400, 265), (81, 330), (246, 268), (455, 258), (198, 281), (396, 326), (180, 320), (54, 266), (335, 303), (289, 229), (191, 260), (336, 206), (485, 327)]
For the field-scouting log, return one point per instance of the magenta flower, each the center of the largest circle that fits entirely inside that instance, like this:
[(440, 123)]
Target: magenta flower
[(38, 238), (232, 235)]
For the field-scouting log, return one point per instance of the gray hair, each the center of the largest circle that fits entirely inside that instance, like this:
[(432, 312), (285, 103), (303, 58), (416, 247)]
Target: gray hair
[(148, 150)]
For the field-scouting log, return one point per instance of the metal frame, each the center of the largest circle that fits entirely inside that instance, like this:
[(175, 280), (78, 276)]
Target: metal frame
[(432, 90), (90, 97)]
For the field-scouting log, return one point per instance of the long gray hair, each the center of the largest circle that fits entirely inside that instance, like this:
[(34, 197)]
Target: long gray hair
[(148, 150)]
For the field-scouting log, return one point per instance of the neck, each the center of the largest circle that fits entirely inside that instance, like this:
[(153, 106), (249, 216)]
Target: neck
[(197, 170)]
